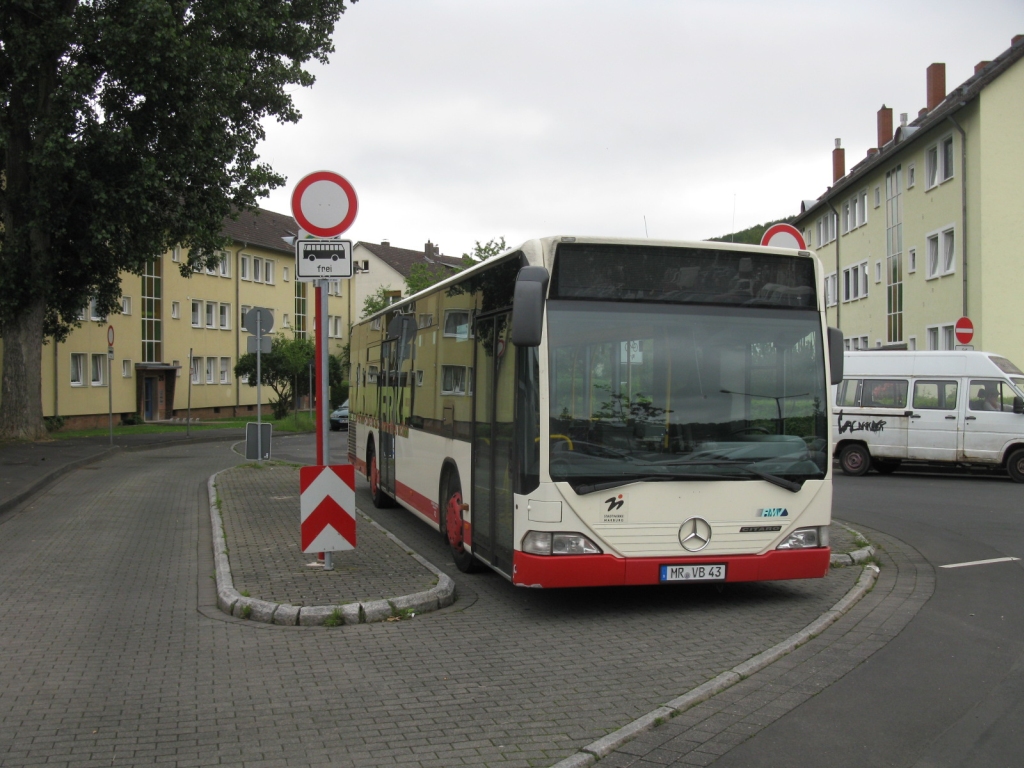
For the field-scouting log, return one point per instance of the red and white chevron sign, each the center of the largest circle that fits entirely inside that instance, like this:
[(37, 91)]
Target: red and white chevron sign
[(327, 502)]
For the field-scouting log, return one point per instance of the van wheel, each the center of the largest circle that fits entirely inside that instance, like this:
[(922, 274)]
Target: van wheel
[(886, 466), (854, 460), (1015, 465), (451, 511)]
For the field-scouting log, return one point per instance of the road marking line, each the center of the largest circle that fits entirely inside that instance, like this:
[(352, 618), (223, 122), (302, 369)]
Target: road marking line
[(981, 562)]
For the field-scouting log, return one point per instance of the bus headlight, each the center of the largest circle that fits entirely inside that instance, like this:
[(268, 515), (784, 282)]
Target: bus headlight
[(544, 543), (805, 538)]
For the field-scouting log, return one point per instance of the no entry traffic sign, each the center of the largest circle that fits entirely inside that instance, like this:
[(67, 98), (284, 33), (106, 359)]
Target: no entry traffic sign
[(964, 330), (324, 203), (327, 502), (783, 236)]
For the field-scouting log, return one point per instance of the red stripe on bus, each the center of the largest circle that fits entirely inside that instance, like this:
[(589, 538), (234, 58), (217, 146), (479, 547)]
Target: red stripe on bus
[(417, 501), (608, 570), (359, 464)]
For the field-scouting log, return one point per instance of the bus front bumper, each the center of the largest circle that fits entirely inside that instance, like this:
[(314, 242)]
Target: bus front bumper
[(553, 571)]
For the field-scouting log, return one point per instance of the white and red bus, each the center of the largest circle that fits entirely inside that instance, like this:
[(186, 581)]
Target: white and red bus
[(586, 411)]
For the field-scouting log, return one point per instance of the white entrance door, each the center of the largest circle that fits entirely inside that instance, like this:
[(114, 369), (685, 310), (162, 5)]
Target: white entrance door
[(934, 422)]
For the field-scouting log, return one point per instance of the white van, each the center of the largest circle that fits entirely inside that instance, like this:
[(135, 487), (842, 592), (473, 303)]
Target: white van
[(954, 407)]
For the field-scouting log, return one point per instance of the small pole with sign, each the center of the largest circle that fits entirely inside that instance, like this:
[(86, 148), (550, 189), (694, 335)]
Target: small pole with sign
[(110, 380), (188, 423), (324, 204)]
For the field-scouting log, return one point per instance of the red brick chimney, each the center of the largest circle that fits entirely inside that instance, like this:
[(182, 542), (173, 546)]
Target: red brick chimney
[(936, 75), (1015, 39), (980, 66), (838, 162), (430, 250), (884, 126)]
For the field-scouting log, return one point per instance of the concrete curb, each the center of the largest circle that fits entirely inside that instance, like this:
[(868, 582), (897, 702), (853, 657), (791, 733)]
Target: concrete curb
[(51, 477), (861, 555), (594, 751), (231, 602)]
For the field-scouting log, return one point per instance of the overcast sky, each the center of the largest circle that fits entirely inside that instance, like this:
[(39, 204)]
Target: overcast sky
[(462, 120)]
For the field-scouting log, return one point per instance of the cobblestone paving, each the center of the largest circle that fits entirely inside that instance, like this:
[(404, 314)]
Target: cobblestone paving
[(260, 510), (106, 658), (701, 735)]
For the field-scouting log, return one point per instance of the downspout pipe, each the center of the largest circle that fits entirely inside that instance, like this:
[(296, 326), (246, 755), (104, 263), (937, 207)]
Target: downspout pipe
[(839, 300), (238, 315), (963, 202)]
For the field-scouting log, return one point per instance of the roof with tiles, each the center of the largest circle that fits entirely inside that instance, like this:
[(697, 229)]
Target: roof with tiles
[(954, 101), (263, 228), (402, 260)]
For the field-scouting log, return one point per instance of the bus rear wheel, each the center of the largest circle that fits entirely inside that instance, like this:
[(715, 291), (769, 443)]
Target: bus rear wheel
[(451, 511), (380, 499), (854, 459)]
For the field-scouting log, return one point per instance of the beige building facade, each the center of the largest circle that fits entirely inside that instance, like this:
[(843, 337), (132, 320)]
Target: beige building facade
[(929, 227)]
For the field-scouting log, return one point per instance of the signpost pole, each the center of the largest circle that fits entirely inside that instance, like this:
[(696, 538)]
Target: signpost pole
[(259, 386), (323, 389), (110, 392)]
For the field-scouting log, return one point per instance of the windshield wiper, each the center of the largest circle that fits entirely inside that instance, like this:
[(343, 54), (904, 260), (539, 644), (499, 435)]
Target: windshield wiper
[(782, 482)]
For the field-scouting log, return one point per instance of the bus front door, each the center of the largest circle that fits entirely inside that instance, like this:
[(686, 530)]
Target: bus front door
[(387, 393), (493, 383)]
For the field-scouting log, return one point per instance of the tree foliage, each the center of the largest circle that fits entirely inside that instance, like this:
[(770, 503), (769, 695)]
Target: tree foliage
[(751, 235), (425, 275), (285, 369), (482, 252), (383, 297), (127, 128)]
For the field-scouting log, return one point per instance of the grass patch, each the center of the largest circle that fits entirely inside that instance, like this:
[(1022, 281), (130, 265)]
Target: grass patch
[(294, 423), (245, 593), (335, 619), (246, 611)]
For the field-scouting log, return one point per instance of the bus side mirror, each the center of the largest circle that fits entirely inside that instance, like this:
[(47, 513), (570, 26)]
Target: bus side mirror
[(528, 306), (1018, 405), (835, 354)]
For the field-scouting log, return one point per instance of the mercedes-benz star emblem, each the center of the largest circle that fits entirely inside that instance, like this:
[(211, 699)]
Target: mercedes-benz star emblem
[(695, 534)]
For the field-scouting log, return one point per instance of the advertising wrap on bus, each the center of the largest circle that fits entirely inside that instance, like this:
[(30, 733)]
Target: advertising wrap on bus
[(583, 412)]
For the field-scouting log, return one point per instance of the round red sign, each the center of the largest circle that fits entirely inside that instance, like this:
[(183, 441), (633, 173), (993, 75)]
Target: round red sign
[(783, 236), (964, 330), (324, 203)]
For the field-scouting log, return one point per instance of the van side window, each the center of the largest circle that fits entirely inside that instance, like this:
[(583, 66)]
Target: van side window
[(884, 393), (848, 393), (990, 395), (935, 395)]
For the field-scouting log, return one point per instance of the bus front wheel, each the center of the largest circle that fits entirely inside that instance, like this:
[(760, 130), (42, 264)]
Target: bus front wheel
[(854, 459), (452, 510)]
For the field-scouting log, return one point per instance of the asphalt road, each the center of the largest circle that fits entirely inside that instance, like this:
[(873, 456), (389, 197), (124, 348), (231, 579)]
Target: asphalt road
[(949, 689)]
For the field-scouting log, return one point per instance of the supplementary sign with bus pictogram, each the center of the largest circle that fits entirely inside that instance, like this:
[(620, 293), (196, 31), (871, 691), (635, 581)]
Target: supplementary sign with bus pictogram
[(328, 507)]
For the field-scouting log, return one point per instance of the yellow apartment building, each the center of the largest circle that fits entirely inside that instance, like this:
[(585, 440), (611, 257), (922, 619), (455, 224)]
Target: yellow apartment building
[(928, 226), (167, 319)]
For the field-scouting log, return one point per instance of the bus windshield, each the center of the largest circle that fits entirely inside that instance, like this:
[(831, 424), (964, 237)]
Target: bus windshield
[(642, 391)]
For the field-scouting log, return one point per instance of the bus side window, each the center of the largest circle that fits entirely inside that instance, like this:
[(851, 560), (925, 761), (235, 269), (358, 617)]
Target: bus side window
[(848, 393)]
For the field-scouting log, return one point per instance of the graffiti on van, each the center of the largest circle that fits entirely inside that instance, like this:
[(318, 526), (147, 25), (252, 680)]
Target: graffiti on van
[(877, 425)]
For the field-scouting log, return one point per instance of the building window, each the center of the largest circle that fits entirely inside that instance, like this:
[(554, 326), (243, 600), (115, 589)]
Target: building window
[(225, 316), (224, 267), (941, 253), (456, 323), (77, 366), (299, 321), (941, 337), (99, 365), (912, 343), (211, 268), (931, 167), (126, 369), (175, 310), (177, 365), (338, 328), (152, 311), (419, 378), (894, 254), (257, 269), (211, 369), (855, 282), (947, 158), (211, 314), (878, 271), (948, 337), (284, 271), (425, 320), (244, 267), (244, 312), (911, 175), (176, 254), (830, 290), (197, 313), (912, 260), (455, 380), (197, 366), (94, 313), (268, 272), (825, 228), (126, 305), (933, 337), (878, 196), (285, 323), (225, 367)]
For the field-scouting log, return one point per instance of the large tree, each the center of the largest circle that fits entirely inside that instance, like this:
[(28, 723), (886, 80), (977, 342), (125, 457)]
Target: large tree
[(128, 126)]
